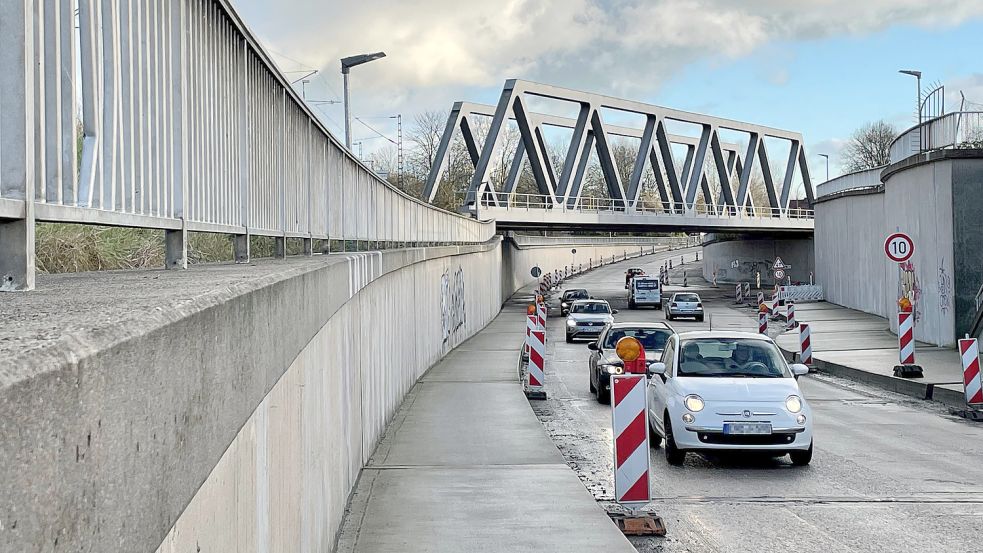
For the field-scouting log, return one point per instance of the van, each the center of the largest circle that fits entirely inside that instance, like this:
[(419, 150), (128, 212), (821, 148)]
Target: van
[(644, 290)]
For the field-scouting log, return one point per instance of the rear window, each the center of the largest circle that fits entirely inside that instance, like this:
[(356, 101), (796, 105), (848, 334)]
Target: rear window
[(652, 339), (647, 284), (576, 295), (686, 297)]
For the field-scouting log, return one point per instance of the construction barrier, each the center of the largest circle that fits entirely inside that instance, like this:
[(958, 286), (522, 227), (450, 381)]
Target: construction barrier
[(969, 350), (536, 372), (739, 293), (631, 447), (906, 338), (790, 314), (532, 323), (805, 344), (747, 291), (541, 312), (761, 298), (800, 293), (762, 322)]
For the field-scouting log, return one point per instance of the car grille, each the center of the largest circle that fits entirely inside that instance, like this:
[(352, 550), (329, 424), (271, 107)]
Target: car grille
[(745, 439)]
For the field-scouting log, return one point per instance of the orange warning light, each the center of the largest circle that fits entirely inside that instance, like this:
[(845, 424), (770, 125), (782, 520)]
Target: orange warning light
[(531, 310), (628, 348)]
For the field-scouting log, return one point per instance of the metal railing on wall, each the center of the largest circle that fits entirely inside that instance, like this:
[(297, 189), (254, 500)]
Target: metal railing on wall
[(952, 130), (180, 121), (858, 180)]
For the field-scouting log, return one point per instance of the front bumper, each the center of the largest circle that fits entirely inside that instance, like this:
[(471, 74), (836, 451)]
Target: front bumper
[(707, 431)]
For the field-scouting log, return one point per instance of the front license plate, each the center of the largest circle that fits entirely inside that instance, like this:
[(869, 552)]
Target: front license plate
[(747, 428)]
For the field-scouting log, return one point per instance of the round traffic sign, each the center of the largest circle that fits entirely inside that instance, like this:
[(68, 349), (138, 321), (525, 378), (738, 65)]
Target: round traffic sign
[(535, 272), (574, 250), (779, 274), (898, 247)]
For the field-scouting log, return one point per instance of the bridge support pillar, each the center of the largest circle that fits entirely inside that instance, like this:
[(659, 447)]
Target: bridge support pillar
[(240, 248), (17, 254), (280, 247), (176, 249)]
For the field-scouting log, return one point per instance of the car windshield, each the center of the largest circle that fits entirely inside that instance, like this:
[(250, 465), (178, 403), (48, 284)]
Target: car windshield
[(731, 358), (652, 339), (575, 295), (592, 307), (686, 298)]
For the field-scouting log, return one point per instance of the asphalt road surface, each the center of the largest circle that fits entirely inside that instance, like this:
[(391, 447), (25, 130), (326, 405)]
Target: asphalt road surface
[(889, 473)]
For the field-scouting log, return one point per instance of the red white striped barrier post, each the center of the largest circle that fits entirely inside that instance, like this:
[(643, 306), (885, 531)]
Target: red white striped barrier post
[(761, 298), (906, 338), (541, 312), (790, 313), (969, 350), (906, 347), (536, 370), (532, 323), (747, 291), (629, 417), (739, 293), (762, 322), (805, 344)]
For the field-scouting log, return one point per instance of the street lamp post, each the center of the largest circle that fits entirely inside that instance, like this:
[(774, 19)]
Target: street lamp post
[(826, 156), (918, 101), (346, 65)]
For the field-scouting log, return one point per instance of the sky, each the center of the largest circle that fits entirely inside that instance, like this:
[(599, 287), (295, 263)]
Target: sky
[(819, 67)]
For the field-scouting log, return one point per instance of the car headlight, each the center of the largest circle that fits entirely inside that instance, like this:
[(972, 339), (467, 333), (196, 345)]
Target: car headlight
[(793, 404), (694, 403), (563, 304), (571, 322), (612, 369), (801, 419)]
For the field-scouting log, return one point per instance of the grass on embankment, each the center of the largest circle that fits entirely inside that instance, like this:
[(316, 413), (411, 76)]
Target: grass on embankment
[(68, 248)]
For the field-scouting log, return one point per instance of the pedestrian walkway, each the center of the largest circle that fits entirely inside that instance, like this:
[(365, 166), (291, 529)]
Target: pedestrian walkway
[(861, 346), (466, 465)]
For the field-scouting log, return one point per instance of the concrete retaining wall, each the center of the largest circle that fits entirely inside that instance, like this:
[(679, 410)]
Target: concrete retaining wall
[(239, 419), (936, 200), (756, 254)]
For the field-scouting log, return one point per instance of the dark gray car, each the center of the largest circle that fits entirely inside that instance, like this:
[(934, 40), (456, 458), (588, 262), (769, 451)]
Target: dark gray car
[(604, 361)]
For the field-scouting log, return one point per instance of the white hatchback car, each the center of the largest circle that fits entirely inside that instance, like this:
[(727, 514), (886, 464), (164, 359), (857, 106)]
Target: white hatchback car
[(727, 390)]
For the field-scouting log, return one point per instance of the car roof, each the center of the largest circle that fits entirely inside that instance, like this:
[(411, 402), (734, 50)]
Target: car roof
[(678, 293), (656, 324), (693, 334), (647, 277), (590, 301), (574, 290)]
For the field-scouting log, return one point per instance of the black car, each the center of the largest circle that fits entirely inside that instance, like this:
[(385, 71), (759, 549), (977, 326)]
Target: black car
[(604, 361), (570, 296)]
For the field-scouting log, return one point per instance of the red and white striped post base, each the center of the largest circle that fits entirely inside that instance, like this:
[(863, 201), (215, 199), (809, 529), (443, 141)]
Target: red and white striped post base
[(805, 344), (969, 350), (790, 313), (906, 347), (631, 444), (536, 370), (762, 322)]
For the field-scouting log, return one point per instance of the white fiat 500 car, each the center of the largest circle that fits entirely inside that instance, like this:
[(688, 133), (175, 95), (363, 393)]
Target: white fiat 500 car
[(727, 390)]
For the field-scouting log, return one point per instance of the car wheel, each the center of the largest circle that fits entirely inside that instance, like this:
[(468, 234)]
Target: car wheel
[(603, 396), (668, 316), (631, 305), (590, 383), (699, 319), (658, 306), (569, 339), (655, 440), (801, 457), (674, 455)]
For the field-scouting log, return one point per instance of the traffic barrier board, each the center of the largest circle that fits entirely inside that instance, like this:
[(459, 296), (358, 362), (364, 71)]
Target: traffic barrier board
[(537, 360), (906, 338), (631, 448), (805, 344), (969, 351)]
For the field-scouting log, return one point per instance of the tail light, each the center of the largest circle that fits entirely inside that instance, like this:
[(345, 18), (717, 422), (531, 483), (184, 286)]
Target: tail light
[(699, 305), (673, 305)]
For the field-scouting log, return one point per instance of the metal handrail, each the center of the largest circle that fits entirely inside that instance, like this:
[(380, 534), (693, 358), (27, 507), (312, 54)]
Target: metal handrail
[(951, 130), (521, 201)]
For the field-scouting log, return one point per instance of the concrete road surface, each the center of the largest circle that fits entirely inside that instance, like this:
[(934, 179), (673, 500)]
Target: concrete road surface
[(890, 473)]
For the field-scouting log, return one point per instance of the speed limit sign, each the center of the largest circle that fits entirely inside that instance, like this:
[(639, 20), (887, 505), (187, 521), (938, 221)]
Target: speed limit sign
[(899, 247), (779, 274)]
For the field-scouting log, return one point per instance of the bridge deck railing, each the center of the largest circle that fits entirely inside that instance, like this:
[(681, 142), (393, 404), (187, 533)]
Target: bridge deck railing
[(518, 201), (952, 130), (177, 120)]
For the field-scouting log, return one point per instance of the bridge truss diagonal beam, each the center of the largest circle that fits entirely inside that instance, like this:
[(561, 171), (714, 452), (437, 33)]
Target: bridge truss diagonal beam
[(678, 186)]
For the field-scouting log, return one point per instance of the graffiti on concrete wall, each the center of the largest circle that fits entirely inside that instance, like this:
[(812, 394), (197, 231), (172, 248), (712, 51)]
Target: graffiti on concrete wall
[(452, 309), (945, 288), (909, 288)]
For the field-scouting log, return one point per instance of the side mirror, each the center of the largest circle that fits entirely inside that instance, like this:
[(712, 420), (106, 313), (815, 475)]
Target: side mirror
[(655, 368), (614, 311), (798, 369), (592, 346)]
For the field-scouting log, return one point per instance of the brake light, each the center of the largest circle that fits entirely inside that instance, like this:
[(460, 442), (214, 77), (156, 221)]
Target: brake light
[(699, 305), (673, 305)]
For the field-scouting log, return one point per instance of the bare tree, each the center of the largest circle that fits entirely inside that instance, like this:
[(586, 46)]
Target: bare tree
[(869, 146)]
